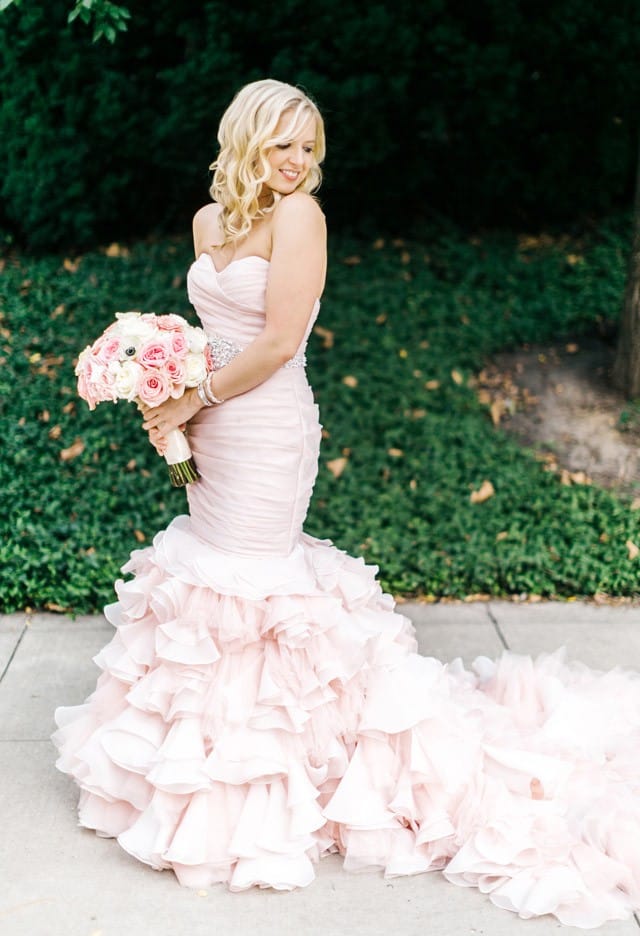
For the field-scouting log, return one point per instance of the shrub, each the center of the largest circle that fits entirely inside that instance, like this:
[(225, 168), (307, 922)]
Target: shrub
[(490, 112)]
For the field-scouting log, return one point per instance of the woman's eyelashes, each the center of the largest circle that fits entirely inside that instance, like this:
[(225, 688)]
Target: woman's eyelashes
[(284, 146)]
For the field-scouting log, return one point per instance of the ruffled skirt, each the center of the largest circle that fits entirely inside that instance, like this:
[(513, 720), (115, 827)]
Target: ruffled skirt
[(254, 714)]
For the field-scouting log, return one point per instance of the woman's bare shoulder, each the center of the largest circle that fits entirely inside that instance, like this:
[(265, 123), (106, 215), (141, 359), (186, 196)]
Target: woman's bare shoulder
[(206, 227), (207, 216), (299, 210), (299, 203)]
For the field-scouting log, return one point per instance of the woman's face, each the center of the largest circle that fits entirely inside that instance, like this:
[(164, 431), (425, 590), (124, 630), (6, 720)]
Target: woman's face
[(291, 161)]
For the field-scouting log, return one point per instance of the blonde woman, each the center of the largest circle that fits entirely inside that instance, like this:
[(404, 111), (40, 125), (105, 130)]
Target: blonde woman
[(261, 703)]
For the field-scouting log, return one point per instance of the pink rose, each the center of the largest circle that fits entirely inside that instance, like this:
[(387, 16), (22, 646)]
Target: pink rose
[(153, 354), (179, 344), (107, 349), (169, 322), (85, 390), (153, 388), (95, 383), (174, 369), (208, 358)]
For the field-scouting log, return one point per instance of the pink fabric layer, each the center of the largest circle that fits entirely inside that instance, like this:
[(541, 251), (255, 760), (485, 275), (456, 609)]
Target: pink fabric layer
[(262, 703)]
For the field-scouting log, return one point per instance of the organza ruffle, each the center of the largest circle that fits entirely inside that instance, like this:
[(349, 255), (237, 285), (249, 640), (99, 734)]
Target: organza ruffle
[(254, 714)]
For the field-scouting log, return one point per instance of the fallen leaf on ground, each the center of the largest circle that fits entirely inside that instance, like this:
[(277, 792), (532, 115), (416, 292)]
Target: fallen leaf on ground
[(71, 265), (501, 535), (457, 377), (432, 384), (574, 477), (336, 466), (572, 348), (632, 549), (55, 432), (350, 381), (75, 449), (395, 452), (497, 410), (326, 334), (485, 491), (115, 250), (139, 535)]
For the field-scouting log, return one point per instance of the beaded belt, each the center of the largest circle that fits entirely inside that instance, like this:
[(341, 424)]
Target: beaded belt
[(224, 350)]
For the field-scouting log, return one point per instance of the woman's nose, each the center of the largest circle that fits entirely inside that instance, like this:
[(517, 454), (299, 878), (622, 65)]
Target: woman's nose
[(296, 156)]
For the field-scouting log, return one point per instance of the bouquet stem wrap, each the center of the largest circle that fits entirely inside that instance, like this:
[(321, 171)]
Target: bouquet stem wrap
[(182, 469)]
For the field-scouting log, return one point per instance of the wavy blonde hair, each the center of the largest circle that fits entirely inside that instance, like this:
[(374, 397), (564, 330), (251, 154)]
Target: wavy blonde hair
[(246, 134)]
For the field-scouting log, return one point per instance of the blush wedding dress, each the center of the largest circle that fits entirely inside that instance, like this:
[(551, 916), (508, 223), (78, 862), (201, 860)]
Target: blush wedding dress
[(261, 703)]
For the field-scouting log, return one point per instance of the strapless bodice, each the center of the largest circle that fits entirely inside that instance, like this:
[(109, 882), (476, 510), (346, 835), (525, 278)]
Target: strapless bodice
[(231, 302)]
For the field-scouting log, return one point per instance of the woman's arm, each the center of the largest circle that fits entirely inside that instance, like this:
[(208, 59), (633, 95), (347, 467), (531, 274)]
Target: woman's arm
[(296, 279)]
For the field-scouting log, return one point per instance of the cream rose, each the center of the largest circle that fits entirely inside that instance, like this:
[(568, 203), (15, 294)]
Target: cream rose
[(196, 338), (195, 369), (133, 330), (127, 377)]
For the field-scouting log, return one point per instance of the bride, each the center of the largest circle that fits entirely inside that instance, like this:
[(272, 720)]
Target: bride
[(261, 703)]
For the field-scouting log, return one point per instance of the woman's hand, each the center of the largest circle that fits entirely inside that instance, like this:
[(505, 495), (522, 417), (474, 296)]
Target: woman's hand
[(158, 441), (172, 414)]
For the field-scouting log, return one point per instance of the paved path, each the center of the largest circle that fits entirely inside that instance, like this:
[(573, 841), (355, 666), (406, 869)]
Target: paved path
[(57, 879)]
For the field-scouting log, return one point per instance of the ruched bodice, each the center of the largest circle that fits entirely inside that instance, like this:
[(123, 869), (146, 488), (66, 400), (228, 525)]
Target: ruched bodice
[(257, 453), (231, 302)]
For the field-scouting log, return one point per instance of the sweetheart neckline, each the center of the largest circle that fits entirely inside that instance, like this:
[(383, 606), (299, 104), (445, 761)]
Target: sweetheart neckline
[(238, 260)]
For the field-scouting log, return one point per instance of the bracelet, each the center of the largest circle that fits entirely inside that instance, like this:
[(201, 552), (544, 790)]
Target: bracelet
[(205, 394)]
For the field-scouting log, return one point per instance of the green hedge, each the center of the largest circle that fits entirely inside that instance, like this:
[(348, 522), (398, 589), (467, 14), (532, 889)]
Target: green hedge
[(496, 111), (401, 316)]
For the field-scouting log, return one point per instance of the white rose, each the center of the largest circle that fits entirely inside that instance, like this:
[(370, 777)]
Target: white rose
[(133, 329), (127, 375), (196, 338), (195, 369)]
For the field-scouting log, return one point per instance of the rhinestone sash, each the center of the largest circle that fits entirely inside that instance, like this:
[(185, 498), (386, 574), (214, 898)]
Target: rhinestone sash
[(224, 350)]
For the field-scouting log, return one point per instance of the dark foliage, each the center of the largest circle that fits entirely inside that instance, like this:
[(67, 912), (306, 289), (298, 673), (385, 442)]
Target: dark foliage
[(506, 111)]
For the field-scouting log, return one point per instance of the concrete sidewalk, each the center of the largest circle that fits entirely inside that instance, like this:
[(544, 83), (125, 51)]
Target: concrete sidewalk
[(61, 880)]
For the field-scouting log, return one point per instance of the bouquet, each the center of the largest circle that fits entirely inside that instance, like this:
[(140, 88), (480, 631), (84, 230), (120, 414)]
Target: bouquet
[(147, 358)]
